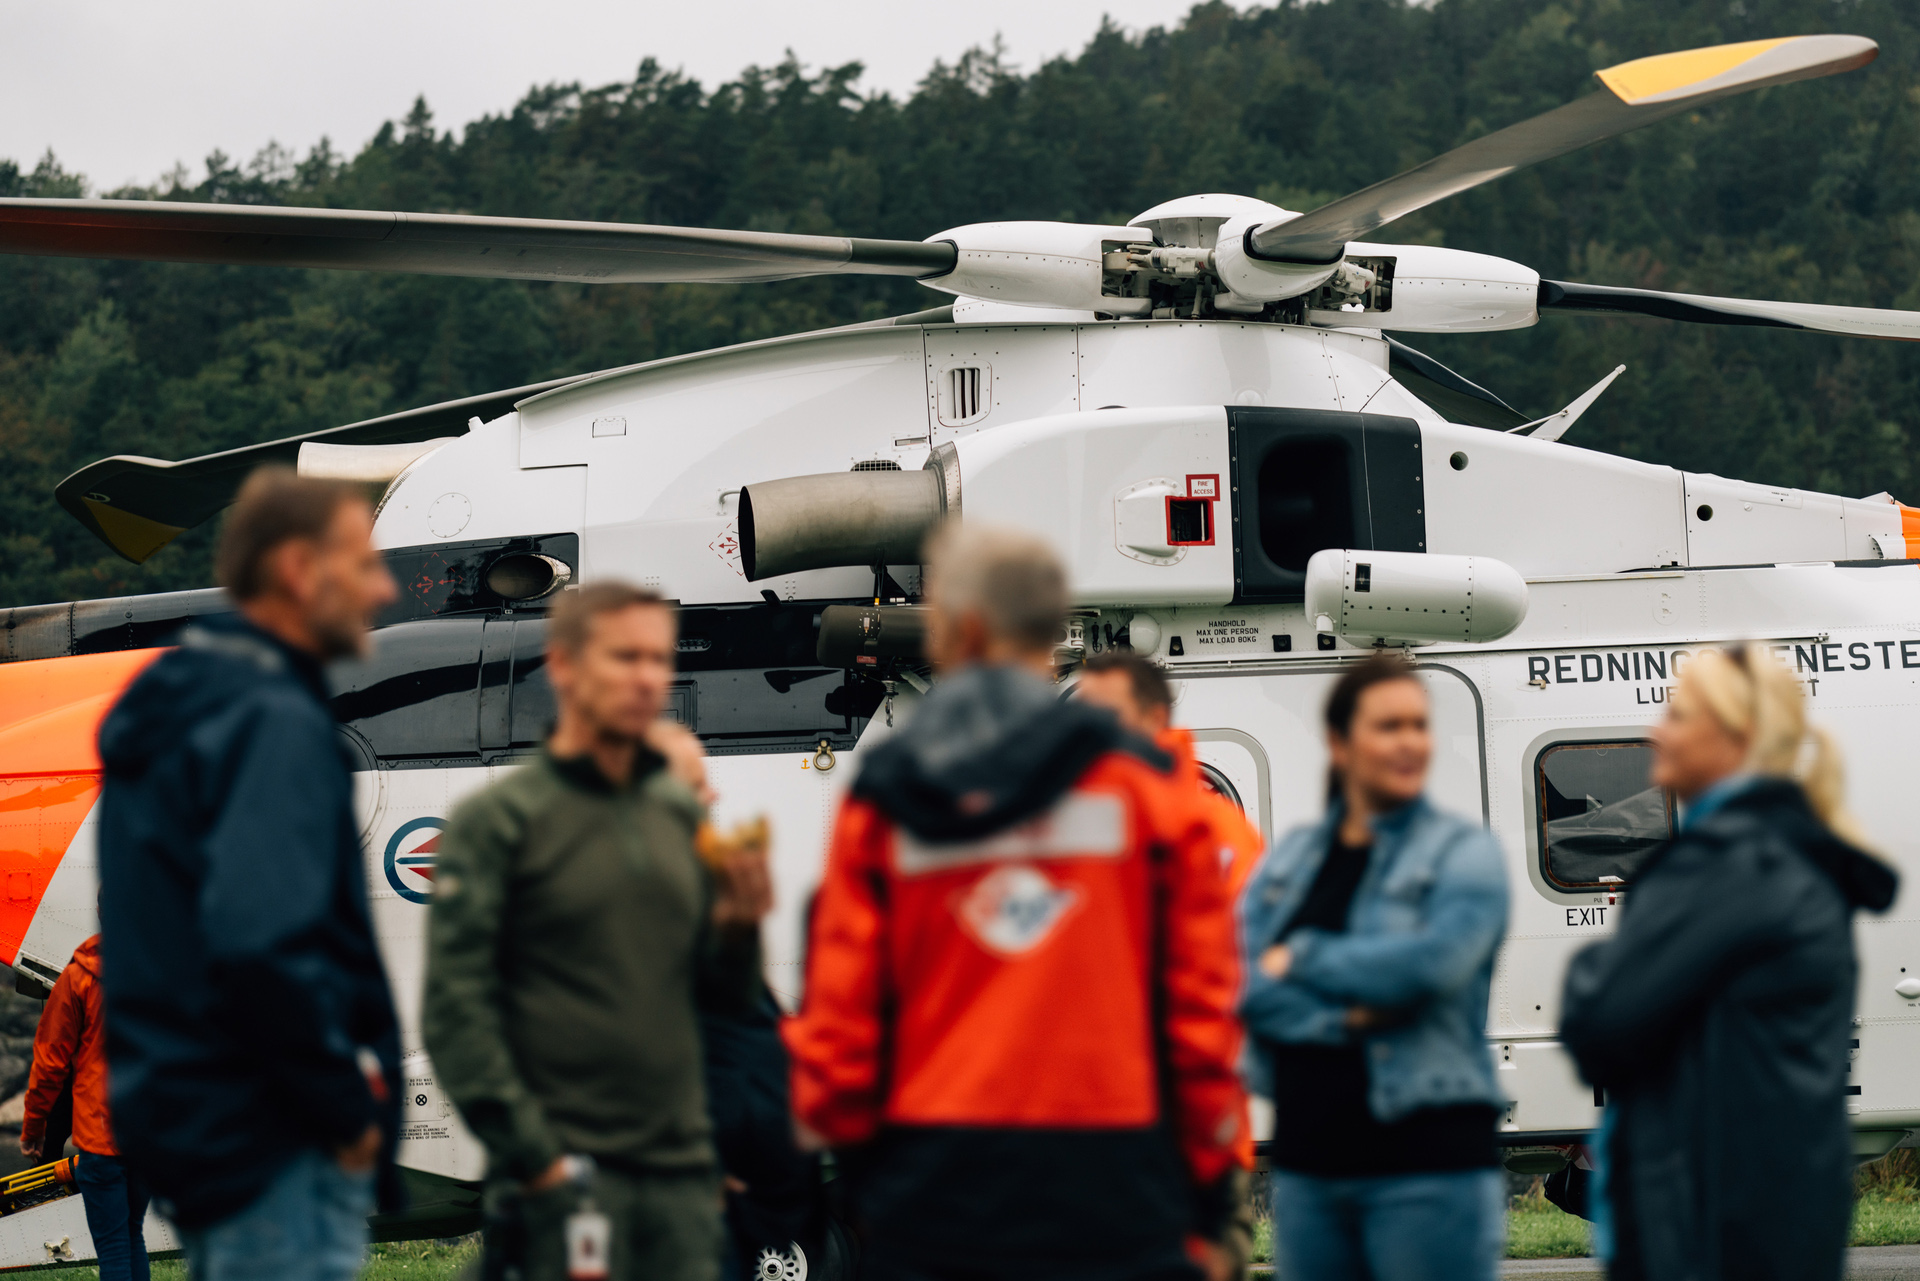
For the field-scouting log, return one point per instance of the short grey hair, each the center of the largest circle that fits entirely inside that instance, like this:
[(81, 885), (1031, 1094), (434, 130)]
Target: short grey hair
[(1011, 579)]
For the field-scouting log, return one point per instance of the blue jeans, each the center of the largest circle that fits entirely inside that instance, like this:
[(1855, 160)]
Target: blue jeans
[(1404, 1227), (309, 1225), (116, 1202)]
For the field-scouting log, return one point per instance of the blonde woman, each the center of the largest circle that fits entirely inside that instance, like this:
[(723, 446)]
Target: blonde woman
[(1717, 1018)]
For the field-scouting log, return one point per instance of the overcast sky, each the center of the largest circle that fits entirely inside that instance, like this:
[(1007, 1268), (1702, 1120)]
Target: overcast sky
[(123, 89)]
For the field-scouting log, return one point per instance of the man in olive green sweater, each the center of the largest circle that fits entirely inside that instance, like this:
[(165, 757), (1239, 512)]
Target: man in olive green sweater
[(574, 933)]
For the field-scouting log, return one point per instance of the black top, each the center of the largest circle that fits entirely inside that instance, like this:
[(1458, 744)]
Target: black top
[(1322, 1124), (1330, 897)]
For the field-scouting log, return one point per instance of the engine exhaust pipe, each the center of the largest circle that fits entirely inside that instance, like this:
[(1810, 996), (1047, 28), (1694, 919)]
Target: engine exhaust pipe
[(845, 518)]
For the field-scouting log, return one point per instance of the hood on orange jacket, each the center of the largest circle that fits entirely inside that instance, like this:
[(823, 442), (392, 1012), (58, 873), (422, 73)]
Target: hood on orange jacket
[(87, 955)]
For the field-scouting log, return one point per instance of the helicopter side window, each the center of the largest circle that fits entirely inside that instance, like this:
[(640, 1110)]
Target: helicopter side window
[(1220, 785), (1599, 819)]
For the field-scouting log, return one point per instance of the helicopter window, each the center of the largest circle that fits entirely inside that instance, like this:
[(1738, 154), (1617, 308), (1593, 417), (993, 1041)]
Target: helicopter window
[(1218, 783), (1598, 817)]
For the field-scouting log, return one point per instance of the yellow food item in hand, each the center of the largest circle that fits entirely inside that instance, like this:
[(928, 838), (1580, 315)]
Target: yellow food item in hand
[(715, 848)]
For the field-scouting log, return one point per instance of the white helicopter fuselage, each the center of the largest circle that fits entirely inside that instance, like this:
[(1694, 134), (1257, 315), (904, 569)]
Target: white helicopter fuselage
[(1073, 428), (1624, 573)]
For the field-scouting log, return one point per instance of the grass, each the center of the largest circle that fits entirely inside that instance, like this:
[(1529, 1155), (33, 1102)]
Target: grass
[(1539, 1229), (1886, 1212), (395, 1261), (419, 1260), (1877, 1222), (1536, 1229)]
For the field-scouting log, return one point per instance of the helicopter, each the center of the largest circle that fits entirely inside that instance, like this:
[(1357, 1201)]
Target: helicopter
[(1206, 411)]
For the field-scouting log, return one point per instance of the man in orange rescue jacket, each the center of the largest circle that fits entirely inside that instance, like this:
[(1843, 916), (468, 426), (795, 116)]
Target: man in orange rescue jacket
[(1136, 689), (1018, 1023), (70, 1045)]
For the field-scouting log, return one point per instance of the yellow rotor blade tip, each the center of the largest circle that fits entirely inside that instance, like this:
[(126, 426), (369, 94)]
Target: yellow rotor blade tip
[(133, 536), (1643, 78)]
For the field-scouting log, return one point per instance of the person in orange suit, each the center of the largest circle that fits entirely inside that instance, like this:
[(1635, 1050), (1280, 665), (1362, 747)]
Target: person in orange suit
[(1135, 689), (1018, 1029), (71, 1045)]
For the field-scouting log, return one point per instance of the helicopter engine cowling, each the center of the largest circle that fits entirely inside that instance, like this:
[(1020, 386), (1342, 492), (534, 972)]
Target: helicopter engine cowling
[(1037, 264), (1413, 598), (844, 518), (1407, 288), (1427, 289)]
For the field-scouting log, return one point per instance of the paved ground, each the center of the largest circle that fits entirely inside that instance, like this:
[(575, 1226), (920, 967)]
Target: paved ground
[(1879, 1262)]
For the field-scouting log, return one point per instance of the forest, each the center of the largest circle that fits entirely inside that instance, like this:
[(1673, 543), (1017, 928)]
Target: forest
[(1807, 192)]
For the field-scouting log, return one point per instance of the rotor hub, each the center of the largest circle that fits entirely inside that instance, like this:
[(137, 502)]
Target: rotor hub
[(1194, 221)]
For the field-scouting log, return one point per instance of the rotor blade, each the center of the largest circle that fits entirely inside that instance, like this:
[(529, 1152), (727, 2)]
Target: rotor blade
[(446, 244), (138, 505), (1453, 397), (1855, 322), (1631, 95)]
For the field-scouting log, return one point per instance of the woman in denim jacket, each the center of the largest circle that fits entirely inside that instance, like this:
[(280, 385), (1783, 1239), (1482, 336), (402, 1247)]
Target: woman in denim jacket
[(1368, 943)]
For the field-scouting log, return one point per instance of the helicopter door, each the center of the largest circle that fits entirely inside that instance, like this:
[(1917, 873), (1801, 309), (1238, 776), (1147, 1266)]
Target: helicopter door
[(1263, 732), (1235, 765)]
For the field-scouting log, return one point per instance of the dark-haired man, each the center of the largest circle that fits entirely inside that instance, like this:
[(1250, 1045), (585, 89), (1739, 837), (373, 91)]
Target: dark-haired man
[(574, 931), (252, 1047), (1018, 1019)]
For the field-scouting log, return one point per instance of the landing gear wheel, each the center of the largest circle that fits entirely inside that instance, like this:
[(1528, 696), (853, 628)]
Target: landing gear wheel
[(775, 1265)]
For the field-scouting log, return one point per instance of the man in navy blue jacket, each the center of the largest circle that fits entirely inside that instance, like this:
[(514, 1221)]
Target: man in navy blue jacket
[(251, 1040)]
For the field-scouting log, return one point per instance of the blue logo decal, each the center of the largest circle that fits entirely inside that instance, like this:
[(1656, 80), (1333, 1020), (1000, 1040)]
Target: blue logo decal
[(410, 857)]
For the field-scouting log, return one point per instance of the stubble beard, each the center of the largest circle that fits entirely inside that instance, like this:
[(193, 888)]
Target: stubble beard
[(341, 633)]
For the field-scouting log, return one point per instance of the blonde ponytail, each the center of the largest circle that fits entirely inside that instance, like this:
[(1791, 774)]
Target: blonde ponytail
[(1753, 694)]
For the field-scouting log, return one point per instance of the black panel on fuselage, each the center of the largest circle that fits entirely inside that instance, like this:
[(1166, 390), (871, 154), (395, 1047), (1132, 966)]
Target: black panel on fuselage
[(1308, 479), (748, 682), (451, 578), (470, 689)]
